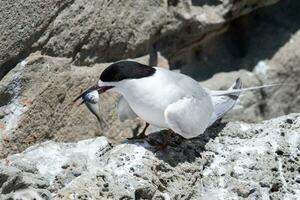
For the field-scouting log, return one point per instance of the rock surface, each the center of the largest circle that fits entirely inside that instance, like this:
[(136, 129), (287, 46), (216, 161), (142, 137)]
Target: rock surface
[(50, 51), (22, 24), (91, 31), (80, 32), (37, 98), (28, 111), (248, 40), (283, 67), (39, 92), (232, 161)]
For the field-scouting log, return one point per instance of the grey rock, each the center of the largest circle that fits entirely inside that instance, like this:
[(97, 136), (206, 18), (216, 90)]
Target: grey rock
[(229, 161), (40, 91), (267, 103), (7, 172), (256, 42), (99, 31), (44, 157), (29, 194), (50, 172), (283, 67), (13, 179), (29, 111), (276, 62), (91, 31), (2, 114), (22, 23), (248, 40)]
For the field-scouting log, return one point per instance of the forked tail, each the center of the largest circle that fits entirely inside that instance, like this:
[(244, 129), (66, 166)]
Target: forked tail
[(224, 100), (235, 90), (224, 103)]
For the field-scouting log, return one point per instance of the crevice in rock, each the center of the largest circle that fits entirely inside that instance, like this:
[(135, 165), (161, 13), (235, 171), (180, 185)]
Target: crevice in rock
[(13, 185), (248, 40), (79, 46), (173, 2), (5, 98), (263, 104), (206, 2), (10, 64), (290, 107), (28, 49)]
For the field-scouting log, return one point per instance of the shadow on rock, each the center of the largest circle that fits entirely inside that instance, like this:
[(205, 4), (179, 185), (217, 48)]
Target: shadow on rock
[(179, 149)]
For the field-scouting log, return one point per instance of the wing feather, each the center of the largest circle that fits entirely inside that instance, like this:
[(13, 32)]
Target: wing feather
[(189, 116), (124, 110)]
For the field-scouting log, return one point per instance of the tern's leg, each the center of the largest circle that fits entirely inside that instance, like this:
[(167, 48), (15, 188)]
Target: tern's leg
[(142, 135)]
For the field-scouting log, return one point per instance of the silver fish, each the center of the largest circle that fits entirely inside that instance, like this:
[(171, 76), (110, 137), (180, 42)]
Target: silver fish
[(90, 98), (91, 101)]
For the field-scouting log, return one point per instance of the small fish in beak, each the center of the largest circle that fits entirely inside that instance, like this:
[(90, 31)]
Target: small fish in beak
[(90, 98), (91, 101)]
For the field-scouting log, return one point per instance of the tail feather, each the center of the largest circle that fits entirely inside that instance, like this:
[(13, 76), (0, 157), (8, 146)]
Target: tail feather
[(237, 85), (224, 103), (224, 100), (234, 90)]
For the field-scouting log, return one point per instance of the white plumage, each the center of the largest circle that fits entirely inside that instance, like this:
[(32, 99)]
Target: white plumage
[(187, 115), (168, 100), (124, 110)]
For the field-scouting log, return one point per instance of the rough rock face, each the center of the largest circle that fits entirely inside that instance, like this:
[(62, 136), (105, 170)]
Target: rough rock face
[(99, 31), (248, 40), (37, 104), (38, 92), (28, 111), (283, 67), (50, 51), (23, 23), (90, 31), (37, 98), (233, 161)]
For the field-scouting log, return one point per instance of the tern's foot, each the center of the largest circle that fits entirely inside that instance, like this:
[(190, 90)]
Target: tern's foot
[(166, 142), (138, 137), (160, 147)]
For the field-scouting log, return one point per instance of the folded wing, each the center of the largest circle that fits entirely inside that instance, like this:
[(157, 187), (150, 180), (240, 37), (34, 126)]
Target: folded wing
[(124, 110), (189, 116)]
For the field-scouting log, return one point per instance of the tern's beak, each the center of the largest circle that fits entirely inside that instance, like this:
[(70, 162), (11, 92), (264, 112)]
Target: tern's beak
[(100, 89)]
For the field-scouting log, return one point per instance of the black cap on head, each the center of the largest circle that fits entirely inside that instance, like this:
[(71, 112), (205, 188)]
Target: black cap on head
[(126, 70)]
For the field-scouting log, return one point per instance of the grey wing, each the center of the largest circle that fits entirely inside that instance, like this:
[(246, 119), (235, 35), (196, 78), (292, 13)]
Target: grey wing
[(189, 116), (124, 110), (223, 104), (190, 86)]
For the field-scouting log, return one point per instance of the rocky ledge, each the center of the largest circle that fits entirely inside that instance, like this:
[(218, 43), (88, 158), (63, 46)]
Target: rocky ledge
[(230, 161)]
